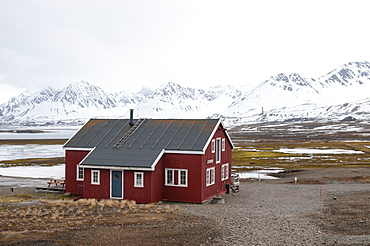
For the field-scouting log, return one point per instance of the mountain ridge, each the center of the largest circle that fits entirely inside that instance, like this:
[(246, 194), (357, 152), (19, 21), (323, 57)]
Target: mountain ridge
[(280, 97)]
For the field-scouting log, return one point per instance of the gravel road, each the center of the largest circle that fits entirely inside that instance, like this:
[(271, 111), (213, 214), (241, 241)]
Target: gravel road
[(278, 213)]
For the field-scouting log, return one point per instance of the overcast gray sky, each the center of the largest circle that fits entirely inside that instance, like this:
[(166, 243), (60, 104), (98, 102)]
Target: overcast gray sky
[(124, 45)]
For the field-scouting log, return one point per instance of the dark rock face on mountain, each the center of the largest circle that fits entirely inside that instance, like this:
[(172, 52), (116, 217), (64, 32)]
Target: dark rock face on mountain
[(349, 118), (353, 73)]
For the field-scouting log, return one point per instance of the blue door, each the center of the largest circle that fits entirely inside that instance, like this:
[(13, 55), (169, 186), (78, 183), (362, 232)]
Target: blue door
[(116, 184)]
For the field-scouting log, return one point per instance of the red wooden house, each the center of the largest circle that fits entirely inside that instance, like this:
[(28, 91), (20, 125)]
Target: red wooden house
[(149, 160)]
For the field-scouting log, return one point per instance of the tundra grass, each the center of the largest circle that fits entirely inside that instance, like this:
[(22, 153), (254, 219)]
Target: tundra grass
[(56, 213), (32, 141), (255, 155), (33, 162)]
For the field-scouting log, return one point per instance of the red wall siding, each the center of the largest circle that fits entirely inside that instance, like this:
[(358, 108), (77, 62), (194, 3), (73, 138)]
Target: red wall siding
[(153, 185), (101, 191), (226, 157), (73, 157), (191, 193), (157, 182), (197, 191), (139, 194)]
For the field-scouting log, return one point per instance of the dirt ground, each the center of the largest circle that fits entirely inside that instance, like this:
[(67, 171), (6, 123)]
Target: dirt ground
[(25, 221), (325, 175), (46, 219), (153, 229), (345, 212)]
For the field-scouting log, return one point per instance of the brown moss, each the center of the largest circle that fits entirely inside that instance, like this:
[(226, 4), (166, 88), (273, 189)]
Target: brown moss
[(32, 141), (33, 162)]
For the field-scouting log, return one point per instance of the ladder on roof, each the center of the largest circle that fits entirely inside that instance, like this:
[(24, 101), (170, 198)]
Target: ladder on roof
[(128, 134)]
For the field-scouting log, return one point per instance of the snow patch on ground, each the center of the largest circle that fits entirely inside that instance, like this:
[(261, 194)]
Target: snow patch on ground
[(259, 174), (14, 152), (318, 151), (56, 172)]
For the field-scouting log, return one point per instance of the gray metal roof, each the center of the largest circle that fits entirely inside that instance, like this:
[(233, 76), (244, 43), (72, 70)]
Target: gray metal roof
[(117, 144)]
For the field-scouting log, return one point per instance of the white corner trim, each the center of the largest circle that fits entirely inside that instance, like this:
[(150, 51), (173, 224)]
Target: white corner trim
[(78, 149), (117, 168), (157, 160), (87, 155), (185, 152)]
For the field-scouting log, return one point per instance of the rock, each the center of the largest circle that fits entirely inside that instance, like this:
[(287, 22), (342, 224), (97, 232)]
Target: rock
[(349, 118)]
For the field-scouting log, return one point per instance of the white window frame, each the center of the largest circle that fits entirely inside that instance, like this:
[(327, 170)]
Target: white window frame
[(213, 148), (97, 181), (172, 182), (173, 171), (210, 176), (218, 150), (136, 179), (179, 177), (225, 172), (223, 144), (80, 178)]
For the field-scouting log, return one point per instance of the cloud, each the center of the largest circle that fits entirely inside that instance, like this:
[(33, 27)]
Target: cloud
[(122, 45), (8, 91), (16, 67)]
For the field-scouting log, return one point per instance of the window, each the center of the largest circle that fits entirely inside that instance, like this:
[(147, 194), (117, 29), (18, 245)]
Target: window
[(183, 177), (95, 177), (180, 180), (223, 145), (210, 176), (218, 150), (225, 171), (80, 173), (222, 173), (138, 179), (213, 146), (169, 176)]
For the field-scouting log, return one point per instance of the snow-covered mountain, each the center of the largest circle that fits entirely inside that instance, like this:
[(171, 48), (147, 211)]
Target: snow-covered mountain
[(276, 92), (286, 97), (347, 83), (341, 93), (82, 100), (78, 101), (174, 101), (356, 110), (22, 104), (351, 74)]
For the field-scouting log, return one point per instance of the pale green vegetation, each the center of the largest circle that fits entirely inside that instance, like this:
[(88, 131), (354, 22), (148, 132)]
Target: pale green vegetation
[(254, 155), (32, 141)]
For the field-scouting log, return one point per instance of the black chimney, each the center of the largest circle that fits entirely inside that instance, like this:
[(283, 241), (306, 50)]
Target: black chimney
[(131, 117)]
